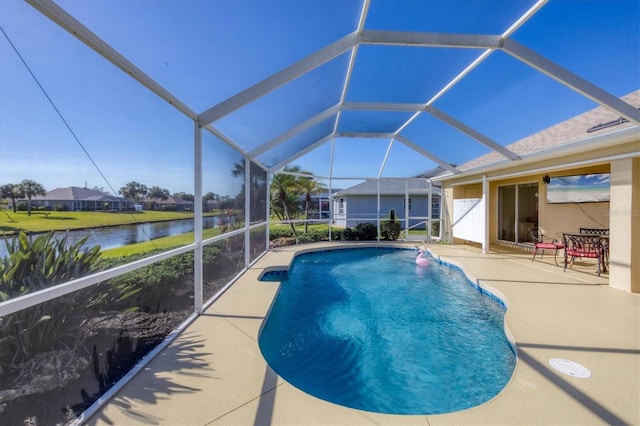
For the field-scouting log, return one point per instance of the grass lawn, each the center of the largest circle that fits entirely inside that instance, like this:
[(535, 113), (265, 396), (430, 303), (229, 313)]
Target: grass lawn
[(299, 228), (159, 244), (173, 241), (11, 223)]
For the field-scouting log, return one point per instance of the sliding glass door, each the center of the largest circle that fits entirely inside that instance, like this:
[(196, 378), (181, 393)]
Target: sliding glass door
[(517, 211)]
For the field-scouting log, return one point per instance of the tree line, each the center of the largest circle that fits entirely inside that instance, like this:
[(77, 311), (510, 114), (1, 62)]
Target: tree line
[(286, 189), (133, 190), (137, 192)]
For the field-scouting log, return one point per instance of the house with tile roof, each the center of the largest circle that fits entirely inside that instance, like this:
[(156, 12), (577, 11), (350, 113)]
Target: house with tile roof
[(77, 199), (499, 199)]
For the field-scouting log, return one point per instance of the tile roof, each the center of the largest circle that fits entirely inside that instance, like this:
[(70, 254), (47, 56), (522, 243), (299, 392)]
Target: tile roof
[(387, 187), (566, 132), (76, 193)]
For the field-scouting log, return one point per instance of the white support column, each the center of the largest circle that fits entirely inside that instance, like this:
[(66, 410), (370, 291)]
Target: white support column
[(624, 225), (406, 209), (268, 207), (485, 199), (429, 202), (197, 218), (378, 210), (517, 214), (332, 207), (247, 212)]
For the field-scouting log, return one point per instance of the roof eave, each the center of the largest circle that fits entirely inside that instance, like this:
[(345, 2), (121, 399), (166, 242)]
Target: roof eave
[(594, 142)]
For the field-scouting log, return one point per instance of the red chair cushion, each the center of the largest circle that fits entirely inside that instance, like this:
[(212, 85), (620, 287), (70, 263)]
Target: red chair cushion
[(583, 253), (550, 246)]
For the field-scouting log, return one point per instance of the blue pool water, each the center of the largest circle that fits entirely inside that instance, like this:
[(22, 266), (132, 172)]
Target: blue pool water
[(369, 329)]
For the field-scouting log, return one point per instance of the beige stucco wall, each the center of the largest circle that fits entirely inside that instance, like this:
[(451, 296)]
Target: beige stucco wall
[(625, 223)]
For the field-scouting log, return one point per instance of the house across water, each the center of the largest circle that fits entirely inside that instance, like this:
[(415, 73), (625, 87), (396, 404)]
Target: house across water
[(79, 199)]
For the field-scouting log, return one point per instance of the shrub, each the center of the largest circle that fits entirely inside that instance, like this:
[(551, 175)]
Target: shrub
[(60, 208), (435, 228), (367, 231), (277, 233), (336, 234), (319, 234), (349, 234), (42, 262), (150, 283), (34, 265), (390, 229)]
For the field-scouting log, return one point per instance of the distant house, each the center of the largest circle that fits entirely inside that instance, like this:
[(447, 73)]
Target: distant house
[(170, 204), (359, 203), (78, 199)]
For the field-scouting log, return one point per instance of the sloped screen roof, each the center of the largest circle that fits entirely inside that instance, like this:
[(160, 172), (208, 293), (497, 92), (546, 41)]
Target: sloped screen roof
[(366, 88)]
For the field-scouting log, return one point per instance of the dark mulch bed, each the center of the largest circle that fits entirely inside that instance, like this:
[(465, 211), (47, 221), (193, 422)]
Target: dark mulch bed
[(114, 343)]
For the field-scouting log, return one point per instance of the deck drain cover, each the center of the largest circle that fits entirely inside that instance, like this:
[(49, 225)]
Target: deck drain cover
[(569, 367)]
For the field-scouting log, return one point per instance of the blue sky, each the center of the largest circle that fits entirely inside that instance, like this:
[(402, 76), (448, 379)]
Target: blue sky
[(206, 51)]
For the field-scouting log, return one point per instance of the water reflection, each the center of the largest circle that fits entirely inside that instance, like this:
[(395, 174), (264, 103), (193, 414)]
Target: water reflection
[(122, 235)]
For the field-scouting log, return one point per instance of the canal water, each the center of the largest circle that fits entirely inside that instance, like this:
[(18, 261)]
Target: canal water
[(122, 235)]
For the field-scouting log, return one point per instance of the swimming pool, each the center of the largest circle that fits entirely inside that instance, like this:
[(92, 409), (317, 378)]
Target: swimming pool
[(367, 328)]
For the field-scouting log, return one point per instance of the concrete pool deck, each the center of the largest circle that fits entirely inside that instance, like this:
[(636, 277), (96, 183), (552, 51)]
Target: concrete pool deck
[(214, 374)]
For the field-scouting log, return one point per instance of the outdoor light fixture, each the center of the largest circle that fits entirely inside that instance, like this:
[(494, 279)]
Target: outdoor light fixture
[(546, 179)]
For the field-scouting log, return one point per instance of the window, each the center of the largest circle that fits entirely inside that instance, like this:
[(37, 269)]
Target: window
[(341, 206), (404, 203), (435, 207)]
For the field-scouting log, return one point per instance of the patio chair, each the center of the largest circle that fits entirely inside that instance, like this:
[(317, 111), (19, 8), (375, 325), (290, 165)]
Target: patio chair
[(539, 243), (604, 233), (582, 245)]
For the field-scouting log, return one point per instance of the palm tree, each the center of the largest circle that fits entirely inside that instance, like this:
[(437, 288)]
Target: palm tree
[(309, 187), (12, 191), (31, 188), (284, 195)]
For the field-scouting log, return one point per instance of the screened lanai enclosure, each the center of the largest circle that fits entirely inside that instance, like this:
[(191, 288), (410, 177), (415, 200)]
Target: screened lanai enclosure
[(214, 101)]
